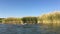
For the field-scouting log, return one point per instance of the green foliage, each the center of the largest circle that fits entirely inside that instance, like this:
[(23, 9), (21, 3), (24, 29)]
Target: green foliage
[(12, 21), (1, 19), (29, 20), (53, 18)]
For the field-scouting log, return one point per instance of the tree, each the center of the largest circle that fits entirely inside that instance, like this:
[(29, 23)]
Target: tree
[(12, 20), (32, 20), (1, 20)]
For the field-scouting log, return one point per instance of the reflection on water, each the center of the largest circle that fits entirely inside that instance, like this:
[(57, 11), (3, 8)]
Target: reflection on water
[(28, 29)]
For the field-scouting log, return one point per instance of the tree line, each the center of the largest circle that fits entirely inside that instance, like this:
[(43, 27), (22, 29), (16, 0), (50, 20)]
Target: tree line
[(12, 20), (50, 18)]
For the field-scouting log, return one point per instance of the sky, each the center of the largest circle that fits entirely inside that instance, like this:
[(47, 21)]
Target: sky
[(22, 8)]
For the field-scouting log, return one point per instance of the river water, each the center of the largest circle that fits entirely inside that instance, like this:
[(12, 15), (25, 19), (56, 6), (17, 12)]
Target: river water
[(28, 29)]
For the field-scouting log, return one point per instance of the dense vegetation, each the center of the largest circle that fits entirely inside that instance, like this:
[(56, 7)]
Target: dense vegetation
[(50, 18), (28, 20), (31, 20)]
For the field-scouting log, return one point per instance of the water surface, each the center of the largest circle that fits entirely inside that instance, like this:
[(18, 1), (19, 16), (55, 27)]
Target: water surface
[(28, 29)]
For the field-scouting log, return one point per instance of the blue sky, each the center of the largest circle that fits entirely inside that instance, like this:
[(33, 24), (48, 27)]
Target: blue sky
[(21, 8)]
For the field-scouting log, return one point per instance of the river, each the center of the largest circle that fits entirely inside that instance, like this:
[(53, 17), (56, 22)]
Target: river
[(27, 29)]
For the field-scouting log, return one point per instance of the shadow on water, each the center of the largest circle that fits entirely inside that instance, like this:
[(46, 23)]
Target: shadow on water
[(28, 29)]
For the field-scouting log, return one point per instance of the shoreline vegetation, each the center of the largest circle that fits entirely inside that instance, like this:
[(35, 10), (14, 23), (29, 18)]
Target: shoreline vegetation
[(52, 18)]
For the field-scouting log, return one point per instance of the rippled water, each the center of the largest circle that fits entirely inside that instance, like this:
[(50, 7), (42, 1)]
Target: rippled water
[(28, 29)]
